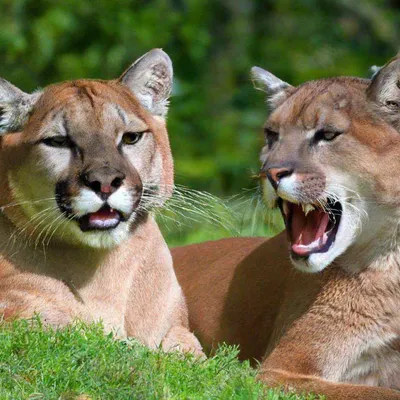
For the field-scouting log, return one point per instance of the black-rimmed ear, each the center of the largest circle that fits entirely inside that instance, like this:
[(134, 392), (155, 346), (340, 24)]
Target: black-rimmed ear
[(384, 92), (15, 107), (150, 80), (276, 89)]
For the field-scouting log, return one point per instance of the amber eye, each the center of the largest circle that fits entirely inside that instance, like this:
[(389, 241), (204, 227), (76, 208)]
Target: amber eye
[(326, 135), (57, 141), (130, 138)]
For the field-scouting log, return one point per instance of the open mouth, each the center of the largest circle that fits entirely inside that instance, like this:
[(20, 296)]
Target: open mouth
[(311, 228), (103, 219)]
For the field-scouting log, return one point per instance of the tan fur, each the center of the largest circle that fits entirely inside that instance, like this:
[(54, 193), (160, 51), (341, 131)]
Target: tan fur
[(336, 332), (126, 281)]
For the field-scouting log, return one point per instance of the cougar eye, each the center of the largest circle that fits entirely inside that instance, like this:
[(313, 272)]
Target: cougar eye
[(271, 137), (326, 135), (131, 137), (57, 141), (393, 104)]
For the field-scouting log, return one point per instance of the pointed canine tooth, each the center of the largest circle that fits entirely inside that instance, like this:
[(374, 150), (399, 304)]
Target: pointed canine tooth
[(307, 208), (285, 207)]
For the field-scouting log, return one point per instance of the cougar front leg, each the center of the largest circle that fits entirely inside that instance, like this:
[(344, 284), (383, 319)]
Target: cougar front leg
[(23, 296), (332, 391), (179, 337)]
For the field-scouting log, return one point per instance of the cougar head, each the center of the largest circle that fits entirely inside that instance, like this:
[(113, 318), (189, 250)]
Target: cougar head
[(330, 161), (87, 159)]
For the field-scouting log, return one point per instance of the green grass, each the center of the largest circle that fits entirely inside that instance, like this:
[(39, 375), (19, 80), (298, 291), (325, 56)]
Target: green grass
[(80, 362)]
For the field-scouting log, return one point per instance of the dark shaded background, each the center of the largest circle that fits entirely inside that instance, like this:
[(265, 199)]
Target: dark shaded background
[(216, 116)]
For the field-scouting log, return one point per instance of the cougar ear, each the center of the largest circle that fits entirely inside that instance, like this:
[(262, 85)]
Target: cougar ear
[(384, 92), (276, 89), (150, 80), (15, 107)]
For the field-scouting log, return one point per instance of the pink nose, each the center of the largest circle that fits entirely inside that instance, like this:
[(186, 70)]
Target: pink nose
[(276, 174), (106, 189), (103, 181)]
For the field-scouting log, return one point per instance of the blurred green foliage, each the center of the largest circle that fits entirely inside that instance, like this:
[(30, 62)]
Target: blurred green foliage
[(216, 116)]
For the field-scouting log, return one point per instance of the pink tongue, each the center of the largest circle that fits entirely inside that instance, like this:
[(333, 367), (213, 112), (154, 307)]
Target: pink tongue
[(310, 228), (103, 215)]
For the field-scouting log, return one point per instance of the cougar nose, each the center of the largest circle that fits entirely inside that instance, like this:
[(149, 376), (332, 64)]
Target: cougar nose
[(276, 174), (103, 181)]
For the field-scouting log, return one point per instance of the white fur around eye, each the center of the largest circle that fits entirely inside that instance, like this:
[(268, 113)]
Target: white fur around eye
[(139, 154), (55, 160)]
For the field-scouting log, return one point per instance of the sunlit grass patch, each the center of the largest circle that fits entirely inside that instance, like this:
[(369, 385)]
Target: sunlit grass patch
[(81, 362)]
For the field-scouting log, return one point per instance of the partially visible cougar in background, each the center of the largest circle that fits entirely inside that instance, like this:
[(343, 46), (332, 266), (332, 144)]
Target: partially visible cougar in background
[(332, 157), (86, 162)]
